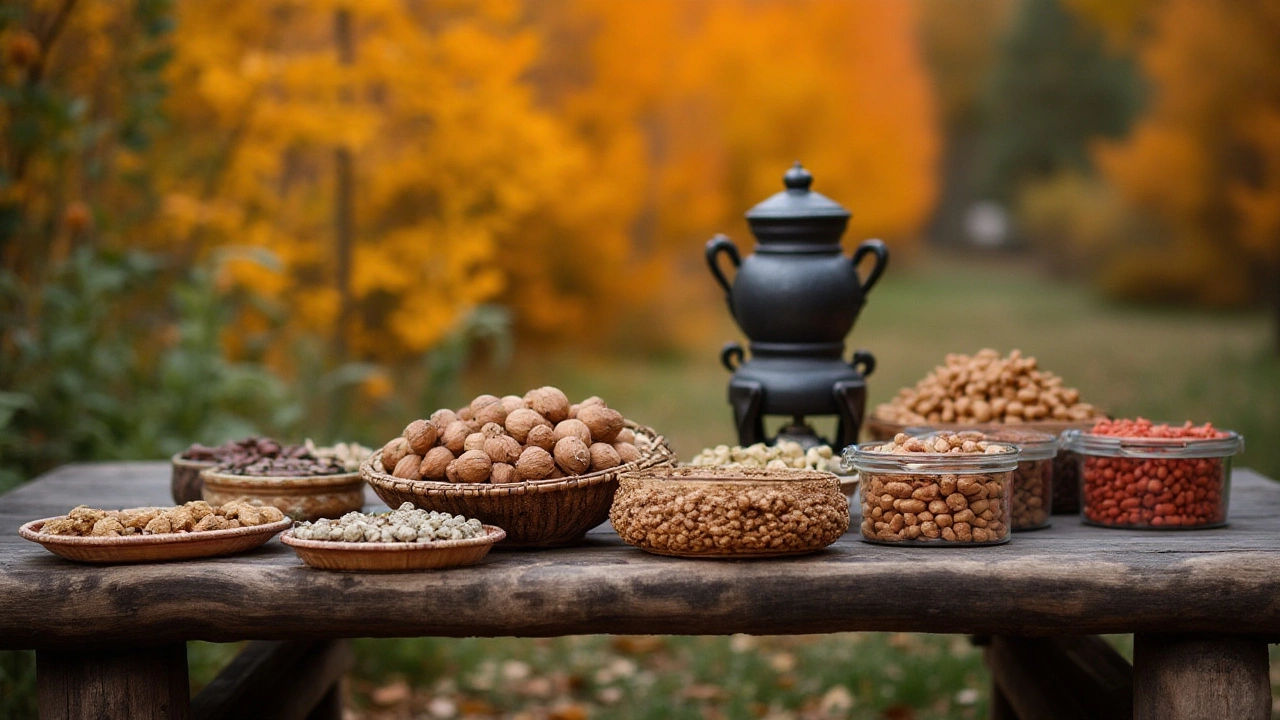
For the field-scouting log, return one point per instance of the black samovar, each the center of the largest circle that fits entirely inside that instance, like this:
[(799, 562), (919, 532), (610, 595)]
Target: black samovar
[(796, 299)]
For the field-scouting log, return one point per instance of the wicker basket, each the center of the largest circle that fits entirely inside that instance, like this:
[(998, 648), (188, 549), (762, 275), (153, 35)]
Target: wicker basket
[(535, 513)]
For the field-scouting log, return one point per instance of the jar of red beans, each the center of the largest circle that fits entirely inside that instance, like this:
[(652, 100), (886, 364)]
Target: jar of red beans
[(946, 490), (1139, 474)]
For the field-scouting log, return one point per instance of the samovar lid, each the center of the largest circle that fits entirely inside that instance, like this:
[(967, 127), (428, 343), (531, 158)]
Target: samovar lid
[(797, 214)]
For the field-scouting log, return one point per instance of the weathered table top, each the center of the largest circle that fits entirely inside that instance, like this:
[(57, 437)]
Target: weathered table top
[(1069, 579)]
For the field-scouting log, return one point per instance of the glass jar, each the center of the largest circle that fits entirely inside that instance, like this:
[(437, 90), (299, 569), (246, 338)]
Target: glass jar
[(1154, 483), (1033, 480), (934, 498)]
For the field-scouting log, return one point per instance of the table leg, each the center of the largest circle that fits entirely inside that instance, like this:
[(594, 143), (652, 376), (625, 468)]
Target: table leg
[(129, 682), (1177, 677)]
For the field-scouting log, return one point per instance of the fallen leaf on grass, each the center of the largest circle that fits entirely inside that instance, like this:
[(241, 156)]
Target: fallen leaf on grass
[(703, 692), (836, 700), (900, 712), (568, 712), (637, 644), (392, 693)]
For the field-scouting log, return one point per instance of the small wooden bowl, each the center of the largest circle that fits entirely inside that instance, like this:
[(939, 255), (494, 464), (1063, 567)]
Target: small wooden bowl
[(152, 548), (184, 481), (720, 512), (535, 513), (301, 498), (395, 556)]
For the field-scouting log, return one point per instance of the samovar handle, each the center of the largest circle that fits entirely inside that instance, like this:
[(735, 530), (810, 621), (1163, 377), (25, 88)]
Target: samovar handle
[(715, 246), (878, 248), (864, 362)]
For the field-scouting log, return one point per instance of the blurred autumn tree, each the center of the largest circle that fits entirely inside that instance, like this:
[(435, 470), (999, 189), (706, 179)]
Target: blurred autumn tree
[(1204, 162), (562, 158), (407, 161), (1055, 88)]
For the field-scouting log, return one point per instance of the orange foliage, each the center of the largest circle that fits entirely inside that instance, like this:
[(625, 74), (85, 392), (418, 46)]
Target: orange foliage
[(1206, 159), (564, 157)]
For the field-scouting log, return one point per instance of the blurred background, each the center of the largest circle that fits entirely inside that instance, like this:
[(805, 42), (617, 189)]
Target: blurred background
[(323, 218)]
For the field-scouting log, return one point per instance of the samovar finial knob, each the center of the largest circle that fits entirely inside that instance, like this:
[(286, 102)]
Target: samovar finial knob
[(797, 178)]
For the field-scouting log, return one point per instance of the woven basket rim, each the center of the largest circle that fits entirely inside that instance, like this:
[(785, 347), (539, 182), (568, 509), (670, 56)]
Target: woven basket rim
[(659, 453)]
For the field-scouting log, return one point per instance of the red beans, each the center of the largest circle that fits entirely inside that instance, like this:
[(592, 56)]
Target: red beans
[(1154, 491)]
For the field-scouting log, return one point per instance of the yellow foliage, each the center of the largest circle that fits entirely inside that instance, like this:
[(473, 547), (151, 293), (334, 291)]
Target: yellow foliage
[(566, 158)]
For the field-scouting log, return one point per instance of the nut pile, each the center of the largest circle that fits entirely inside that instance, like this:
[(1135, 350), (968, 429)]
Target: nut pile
[(936, 507), (675, 518), (1153, 492), (1032, 489), (239, 451), (512, 439), (405, 524), (264, 457), (785, 454), (197, 516), (986, 388), (349, 455)]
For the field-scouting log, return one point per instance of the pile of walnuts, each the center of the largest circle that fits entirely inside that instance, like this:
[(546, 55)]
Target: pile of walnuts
[(985, 388), (512, 439)]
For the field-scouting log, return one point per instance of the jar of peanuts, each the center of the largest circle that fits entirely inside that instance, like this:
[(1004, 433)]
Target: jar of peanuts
[(1139, 474), (946, 490), (1033, 480)]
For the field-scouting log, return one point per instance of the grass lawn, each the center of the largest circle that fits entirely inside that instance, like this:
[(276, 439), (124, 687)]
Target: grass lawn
[(1166, 364)]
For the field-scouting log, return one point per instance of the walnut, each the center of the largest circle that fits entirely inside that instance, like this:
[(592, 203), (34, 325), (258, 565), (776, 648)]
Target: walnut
[(158, 525), (435, 462), (212, 522), (626, 452), (603, 457), (572, 455), (474, 441), (393, 452), (503, 473), (549, 402), (442, 419), (577, 407), (181, 520), (492, 430), (604, 423), (502, 449), (626, 435), (522, 420), (409, 468), (511, 403), (421, 436), (577, 428), (107, 527), (488, 409), (464, 413), (542, 436), (535, 463), (472, 466), (139, 517), (455, 436)]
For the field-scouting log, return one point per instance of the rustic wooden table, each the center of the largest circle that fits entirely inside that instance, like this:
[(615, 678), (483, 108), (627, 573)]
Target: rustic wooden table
[(1203, 605)]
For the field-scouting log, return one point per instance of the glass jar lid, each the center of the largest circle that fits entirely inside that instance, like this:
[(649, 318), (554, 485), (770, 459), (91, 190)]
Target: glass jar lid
[(1088, 443), (868, 457), (1035, 445)]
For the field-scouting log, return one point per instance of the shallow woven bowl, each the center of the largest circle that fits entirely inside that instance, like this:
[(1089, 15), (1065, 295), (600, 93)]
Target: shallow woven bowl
[(535, 513), (692, 511), (394, 556), (301, 498), (152, 548), (184, 481)]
